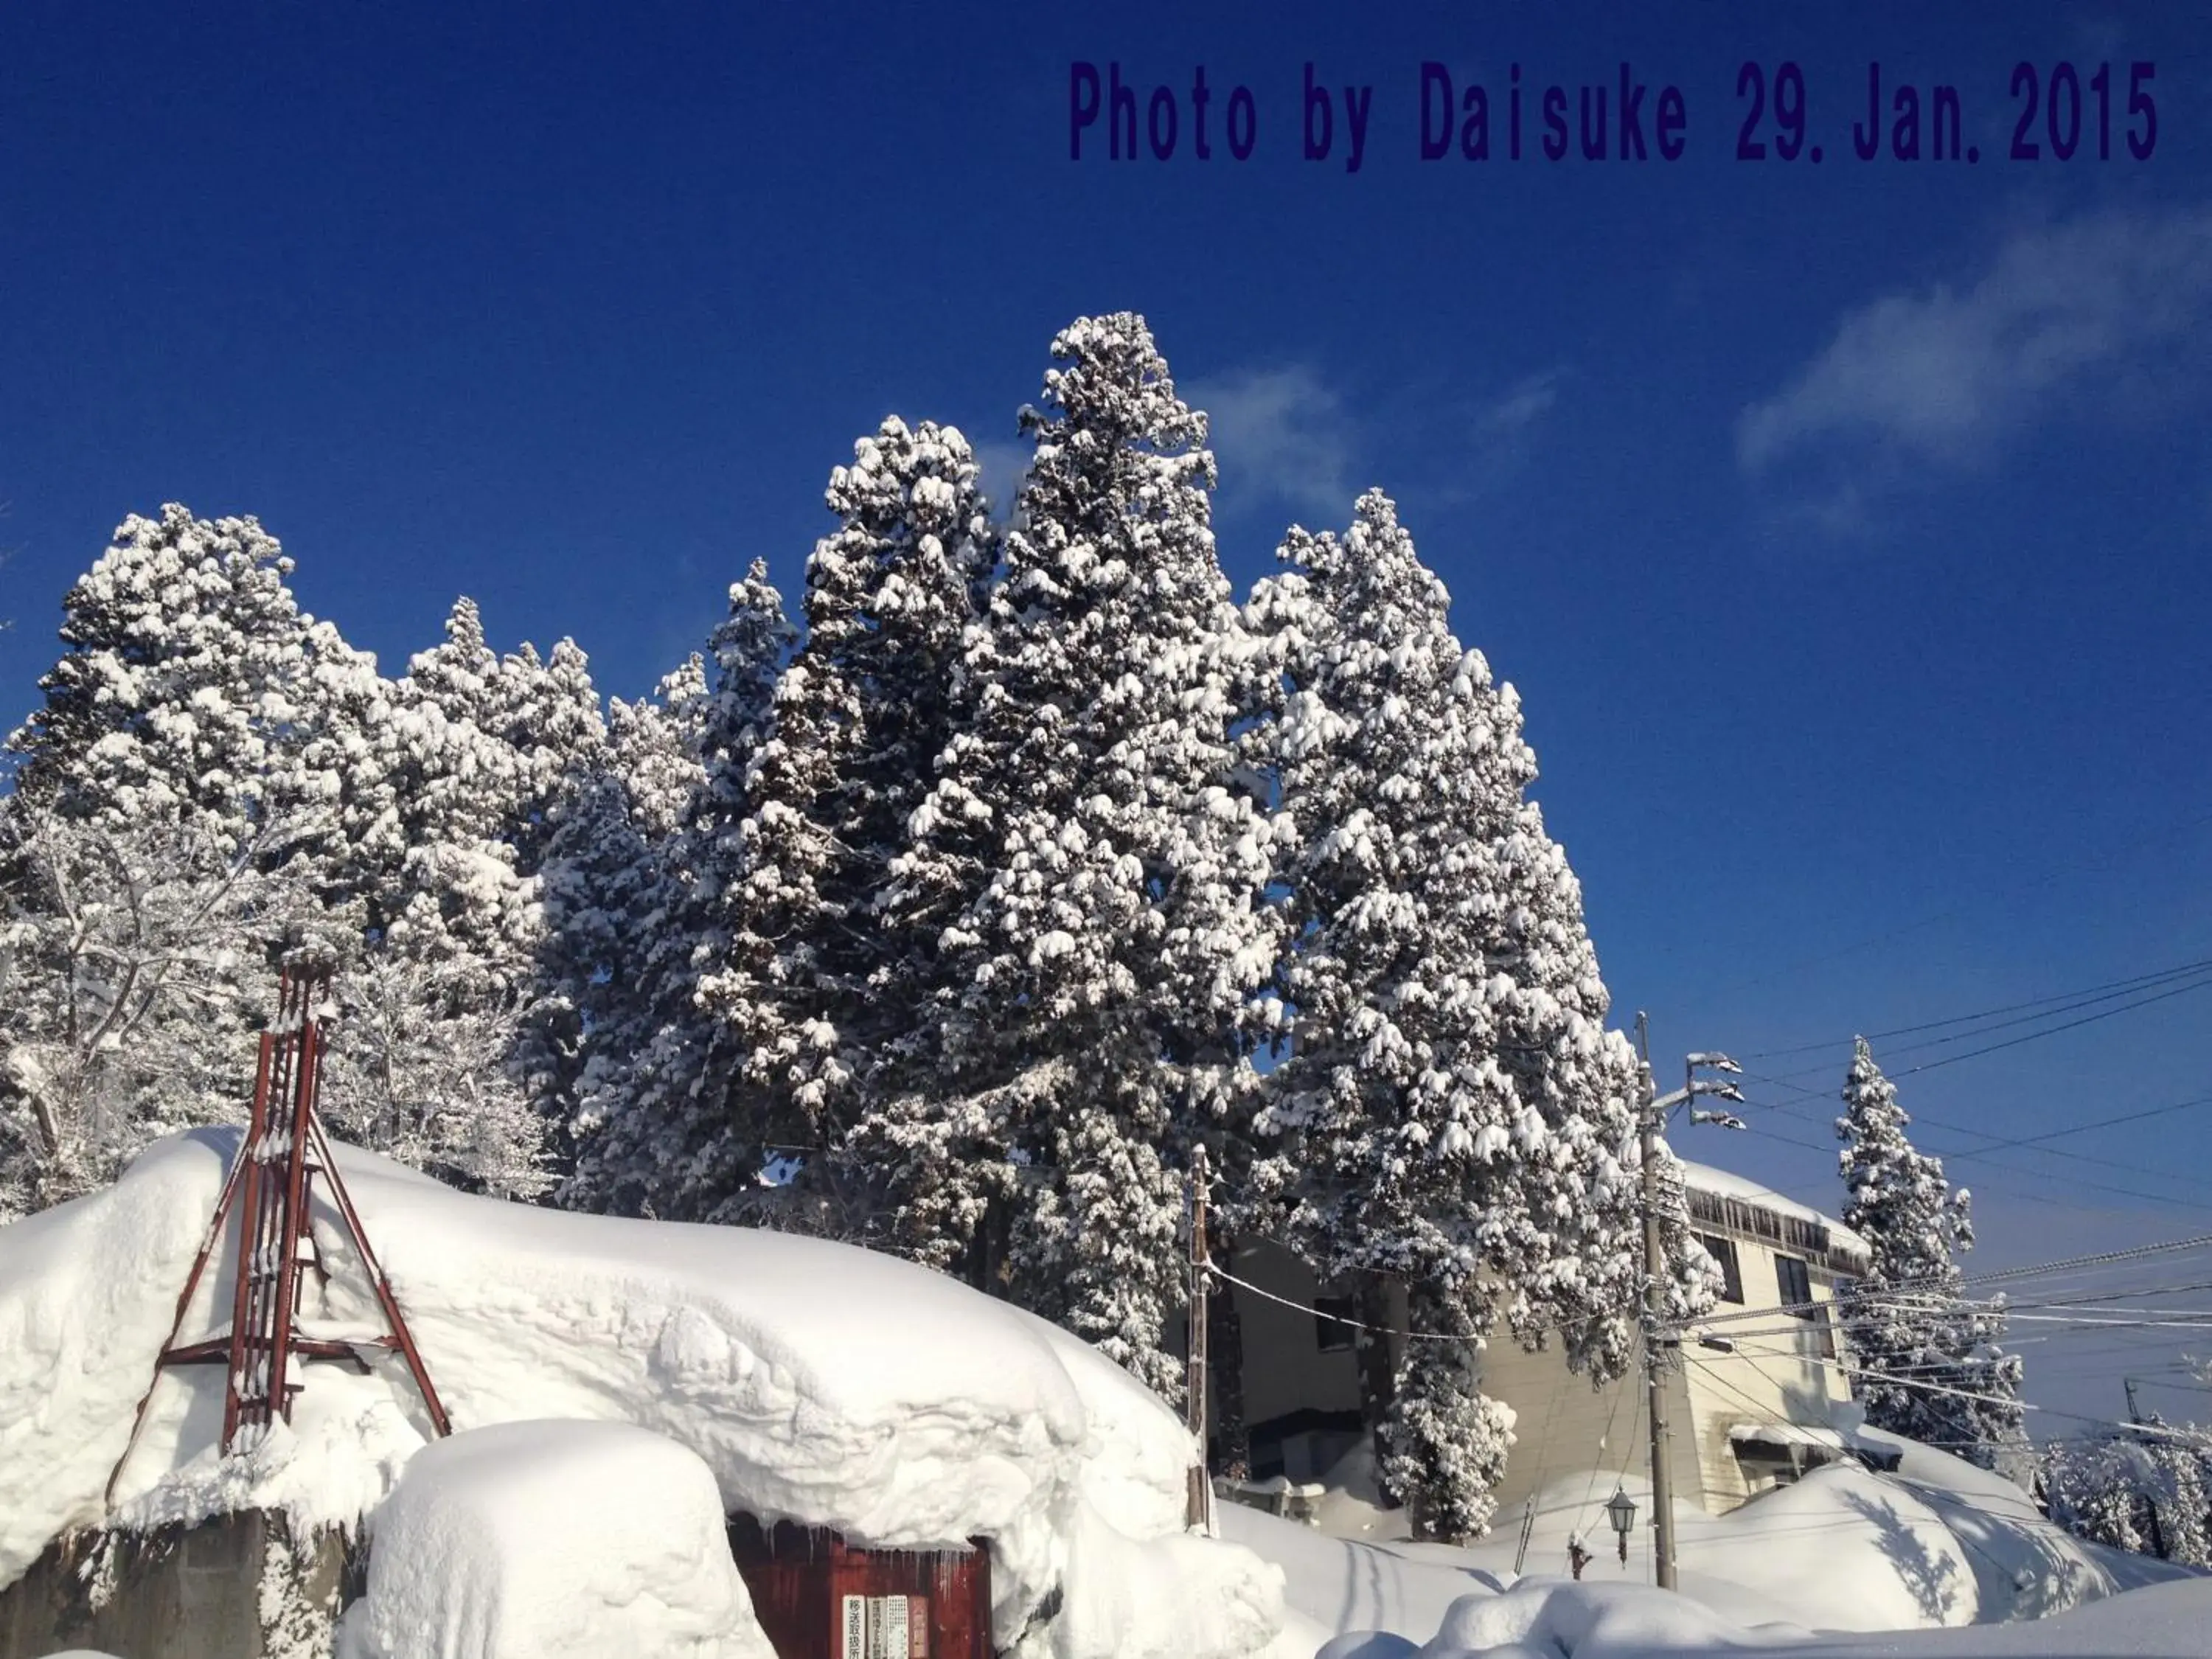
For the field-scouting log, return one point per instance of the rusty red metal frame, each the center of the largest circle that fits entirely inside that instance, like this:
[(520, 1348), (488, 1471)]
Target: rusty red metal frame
[(271, 1186)]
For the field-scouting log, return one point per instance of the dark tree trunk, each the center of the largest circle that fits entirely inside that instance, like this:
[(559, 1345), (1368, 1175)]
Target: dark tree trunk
[(985, 1261), (1378, 1367), (1225, 1344)]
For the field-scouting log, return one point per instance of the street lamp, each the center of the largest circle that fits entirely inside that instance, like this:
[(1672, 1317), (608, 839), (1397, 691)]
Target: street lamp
[(1620, 1509)]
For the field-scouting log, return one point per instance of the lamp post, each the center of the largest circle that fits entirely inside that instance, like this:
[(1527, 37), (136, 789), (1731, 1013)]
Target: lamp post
[(1620, 1511)]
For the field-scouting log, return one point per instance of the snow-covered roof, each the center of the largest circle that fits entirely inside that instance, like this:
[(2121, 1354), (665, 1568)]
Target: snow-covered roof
[(1720, 1183), (1786, 1434), (818, 1382), (1815, 1437)]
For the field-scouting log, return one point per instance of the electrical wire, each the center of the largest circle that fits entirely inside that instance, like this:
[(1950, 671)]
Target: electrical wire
[(1299, 1307), (2057, 1003)]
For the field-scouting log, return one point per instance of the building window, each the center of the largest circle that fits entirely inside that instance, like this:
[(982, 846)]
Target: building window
[(1795, 1283), (1330, 1313), (1723, 1251)]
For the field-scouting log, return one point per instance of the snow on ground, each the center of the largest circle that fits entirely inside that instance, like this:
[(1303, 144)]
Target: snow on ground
[(553, 1540), (1941, 1544), (792, 1378), (1552, 1619), (818, 1382)]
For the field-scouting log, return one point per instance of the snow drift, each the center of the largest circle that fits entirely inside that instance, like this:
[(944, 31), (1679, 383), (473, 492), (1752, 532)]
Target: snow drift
[(554, 1541), (818, 1383), (1940, 1543), (1549, 1619)]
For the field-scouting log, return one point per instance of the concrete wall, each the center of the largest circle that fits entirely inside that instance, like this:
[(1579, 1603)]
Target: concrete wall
[(1564, 1426), (178, 1592), (1780, 1372), (1569, 1433), (1285, 1370)]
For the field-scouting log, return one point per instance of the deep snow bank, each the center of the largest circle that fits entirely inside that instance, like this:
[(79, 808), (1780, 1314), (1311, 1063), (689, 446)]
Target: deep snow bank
[(818, 1382), (1940, 1543), (553, 1540), (1547, 1619)]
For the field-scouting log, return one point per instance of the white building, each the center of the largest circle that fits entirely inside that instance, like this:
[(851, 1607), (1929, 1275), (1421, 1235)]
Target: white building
[(1742, 1417)]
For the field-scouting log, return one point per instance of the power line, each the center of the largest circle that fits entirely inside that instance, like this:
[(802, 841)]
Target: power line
[(2000, 1144), (2161, 989), (2002, 1275), (1334, 1319), (2053, 1030), (2080, 1129), (2108, 990), (2012, 1141), (2009, 1192)]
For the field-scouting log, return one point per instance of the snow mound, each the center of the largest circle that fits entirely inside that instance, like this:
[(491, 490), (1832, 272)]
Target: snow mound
[(1551, 1618), (553, 1540), (1547, 1619), (818, 1382), (1938, 1543), (1399, 1590)]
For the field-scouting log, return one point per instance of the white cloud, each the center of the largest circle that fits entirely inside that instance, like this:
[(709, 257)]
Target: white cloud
[(1522, 405), (2063, 312), (1279, 433)]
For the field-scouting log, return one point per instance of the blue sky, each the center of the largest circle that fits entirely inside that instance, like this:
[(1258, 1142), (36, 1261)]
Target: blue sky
[(1845, 527)]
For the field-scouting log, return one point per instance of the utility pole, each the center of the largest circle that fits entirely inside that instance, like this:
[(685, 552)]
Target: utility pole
[(1655, 1314), (1199, 1502)]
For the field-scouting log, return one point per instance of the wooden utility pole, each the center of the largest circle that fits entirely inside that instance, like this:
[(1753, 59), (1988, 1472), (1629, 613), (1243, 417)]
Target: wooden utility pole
[(1655, 1314), (1199, 1504)]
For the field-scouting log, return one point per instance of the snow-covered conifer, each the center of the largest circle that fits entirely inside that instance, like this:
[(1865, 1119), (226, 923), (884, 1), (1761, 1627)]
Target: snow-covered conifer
[(1453, 1111), (426, 1056), (1447, 1441), (862, 715), (180, 685), (1929, 1359), (604, 886), (549, 715), (1101, 978), (652, 1128)]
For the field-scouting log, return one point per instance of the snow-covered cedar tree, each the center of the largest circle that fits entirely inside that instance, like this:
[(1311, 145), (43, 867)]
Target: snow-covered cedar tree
[(549, 715), (180, 681), (1928, 1360), (191, 689), (1453, 1111), (1446, 1441), (136, 966), (817, 991), (1095, 1001), (432, 1021), (651, 1124), (1694, 1281), (2144, 1487), (603, 884)]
